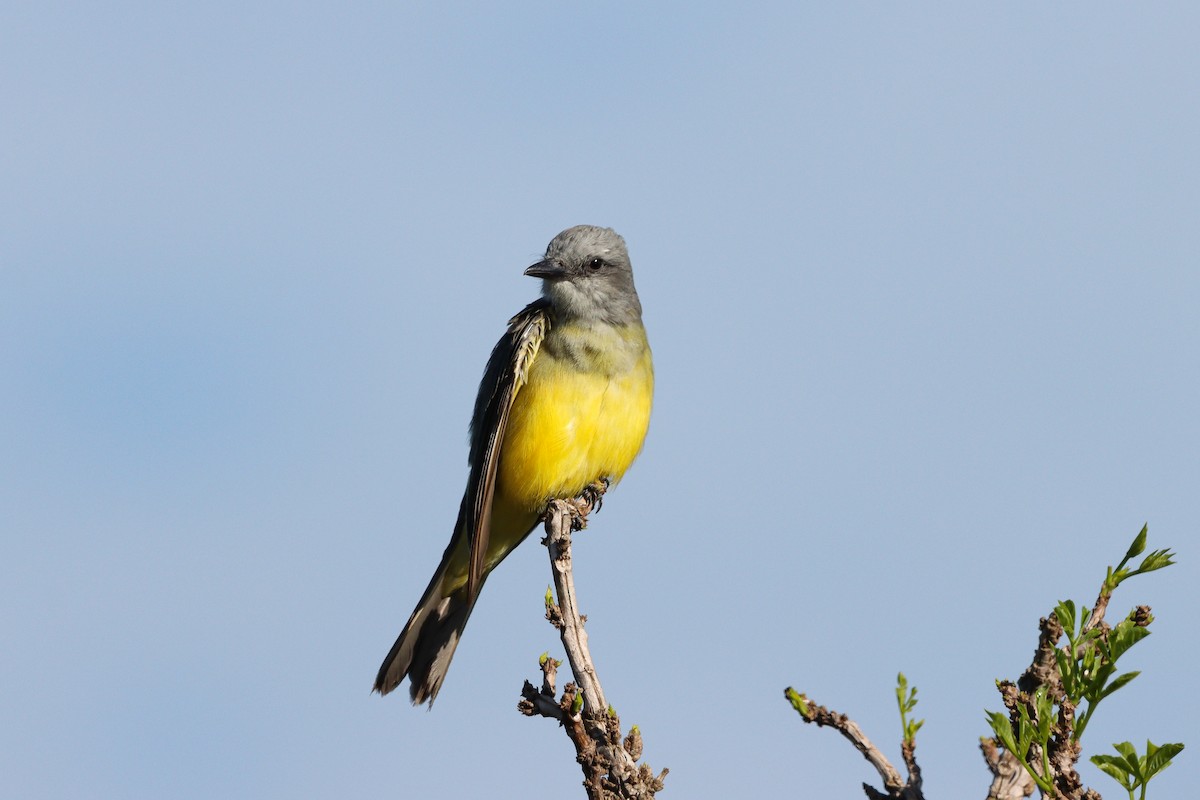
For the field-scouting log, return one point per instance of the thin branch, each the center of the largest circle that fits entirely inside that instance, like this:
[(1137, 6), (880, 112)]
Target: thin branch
[(561, 518), (609, 763), (894, 786)]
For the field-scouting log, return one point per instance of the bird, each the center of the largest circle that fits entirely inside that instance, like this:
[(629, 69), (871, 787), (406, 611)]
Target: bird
[(564, 405)]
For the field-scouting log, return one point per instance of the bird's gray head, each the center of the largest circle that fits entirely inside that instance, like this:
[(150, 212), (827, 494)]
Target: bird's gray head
[(586, 275)]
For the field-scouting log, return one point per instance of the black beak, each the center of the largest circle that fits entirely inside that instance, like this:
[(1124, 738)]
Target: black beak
[(548, 269)]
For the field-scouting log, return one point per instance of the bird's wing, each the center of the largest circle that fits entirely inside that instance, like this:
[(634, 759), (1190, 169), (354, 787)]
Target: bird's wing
[(506, 373)]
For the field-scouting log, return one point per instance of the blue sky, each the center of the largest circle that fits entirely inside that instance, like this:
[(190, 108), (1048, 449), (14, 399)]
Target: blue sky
[(922, 283)]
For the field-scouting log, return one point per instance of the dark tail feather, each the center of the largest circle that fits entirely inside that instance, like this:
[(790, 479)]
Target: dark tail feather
[(424, 648)]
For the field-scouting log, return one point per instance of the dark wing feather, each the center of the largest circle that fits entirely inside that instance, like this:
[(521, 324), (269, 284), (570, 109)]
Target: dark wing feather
[(506, 372)]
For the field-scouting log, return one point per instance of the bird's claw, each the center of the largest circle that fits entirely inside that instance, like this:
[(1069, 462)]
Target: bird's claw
[(593, 494)]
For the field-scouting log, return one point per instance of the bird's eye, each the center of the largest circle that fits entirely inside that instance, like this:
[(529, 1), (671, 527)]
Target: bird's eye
[(595, 264)]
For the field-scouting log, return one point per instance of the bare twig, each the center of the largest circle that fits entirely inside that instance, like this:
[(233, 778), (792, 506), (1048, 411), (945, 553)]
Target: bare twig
[(609, 764), (895, 787)]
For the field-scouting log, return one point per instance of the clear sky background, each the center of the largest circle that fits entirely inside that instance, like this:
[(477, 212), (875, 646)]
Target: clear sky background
[(922, 282)]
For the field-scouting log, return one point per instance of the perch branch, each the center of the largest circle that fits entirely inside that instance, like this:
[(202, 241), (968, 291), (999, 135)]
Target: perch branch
[(609, 763)]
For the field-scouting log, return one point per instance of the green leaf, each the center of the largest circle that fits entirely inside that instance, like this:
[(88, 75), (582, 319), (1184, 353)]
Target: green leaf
[(1100, 673), (1156, 560), (1129, 754), (1045, 713), (1065, 611), (1114, 577), (1117, 683), (1122, 637), (1024, 735), (1069, 671), (1004, 732), (1159, 758), (1114, 767), (1139, 543), (906, 699)]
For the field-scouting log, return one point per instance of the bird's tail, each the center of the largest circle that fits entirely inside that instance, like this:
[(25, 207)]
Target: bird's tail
[(424, 648)]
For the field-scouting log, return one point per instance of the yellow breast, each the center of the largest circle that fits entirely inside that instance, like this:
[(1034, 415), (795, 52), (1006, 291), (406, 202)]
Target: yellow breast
[(581, 416)]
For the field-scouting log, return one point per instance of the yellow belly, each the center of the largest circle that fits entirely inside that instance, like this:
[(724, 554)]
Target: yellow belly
[(580, 416), (577, 419)]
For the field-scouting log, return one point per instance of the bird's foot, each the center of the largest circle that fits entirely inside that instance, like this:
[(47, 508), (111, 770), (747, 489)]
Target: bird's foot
[(593, 494)]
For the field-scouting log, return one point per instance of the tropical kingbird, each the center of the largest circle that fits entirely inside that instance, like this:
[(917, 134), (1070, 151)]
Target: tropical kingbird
[(564, 403)]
